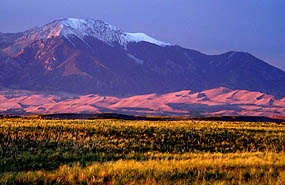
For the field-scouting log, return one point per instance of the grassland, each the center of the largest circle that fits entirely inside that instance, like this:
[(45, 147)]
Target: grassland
[(37, 151)]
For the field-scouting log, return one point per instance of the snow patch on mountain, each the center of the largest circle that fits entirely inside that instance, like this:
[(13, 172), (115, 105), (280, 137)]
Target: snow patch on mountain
[(74, 23), (139, 61), (139, 37)]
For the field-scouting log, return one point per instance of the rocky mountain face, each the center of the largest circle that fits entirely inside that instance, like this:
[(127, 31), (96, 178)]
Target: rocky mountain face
[(93, 57)]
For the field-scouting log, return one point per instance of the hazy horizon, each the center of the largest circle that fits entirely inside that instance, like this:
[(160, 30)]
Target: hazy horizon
[(210, 27)]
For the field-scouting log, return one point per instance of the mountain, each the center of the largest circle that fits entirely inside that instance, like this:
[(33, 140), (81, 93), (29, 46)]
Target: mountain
[(93, 57), (212, 102)]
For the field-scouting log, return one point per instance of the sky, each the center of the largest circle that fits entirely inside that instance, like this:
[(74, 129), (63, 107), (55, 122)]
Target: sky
[(210, 26)]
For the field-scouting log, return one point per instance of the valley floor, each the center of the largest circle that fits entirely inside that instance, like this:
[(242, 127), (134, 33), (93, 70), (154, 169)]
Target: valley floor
[(38, 151)]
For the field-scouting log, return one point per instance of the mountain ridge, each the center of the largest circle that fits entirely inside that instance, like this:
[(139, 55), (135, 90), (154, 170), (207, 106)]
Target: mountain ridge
[(116, 67)]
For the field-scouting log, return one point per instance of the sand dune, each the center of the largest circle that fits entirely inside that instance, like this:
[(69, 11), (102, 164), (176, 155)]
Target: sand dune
[(218, 101)]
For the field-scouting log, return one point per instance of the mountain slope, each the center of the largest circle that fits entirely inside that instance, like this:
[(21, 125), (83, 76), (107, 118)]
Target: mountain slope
[(90, 56)]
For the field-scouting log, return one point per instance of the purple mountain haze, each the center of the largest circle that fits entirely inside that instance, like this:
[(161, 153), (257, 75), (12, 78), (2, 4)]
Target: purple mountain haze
[(90, 56)]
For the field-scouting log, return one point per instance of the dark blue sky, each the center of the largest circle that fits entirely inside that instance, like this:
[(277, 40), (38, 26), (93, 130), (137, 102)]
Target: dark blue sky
[(210, 26)]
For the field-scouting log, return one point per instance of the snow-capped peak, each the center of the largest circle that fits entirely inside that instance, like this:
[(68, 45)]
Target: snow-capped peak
[(73, 23), (104, 31), (80, 28)]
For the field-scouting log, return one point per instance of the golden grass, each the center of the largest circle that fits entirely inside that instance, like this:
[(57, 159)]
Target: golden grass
[(140, 152), (217, 168)]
